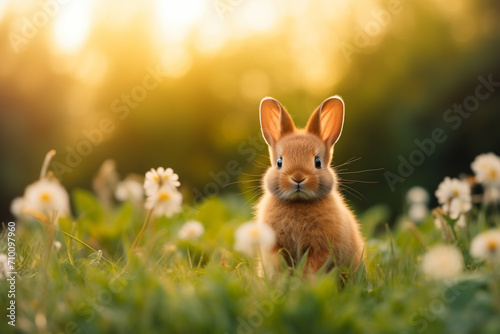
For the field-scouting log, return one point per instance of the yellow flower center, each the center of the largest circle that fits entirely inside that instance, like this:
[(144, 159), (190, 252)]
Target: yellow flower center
[(191, 232), (493, 174), (455, 192), (254, 233), (164, 196), (492, 245), (155, 178), (45, 197)]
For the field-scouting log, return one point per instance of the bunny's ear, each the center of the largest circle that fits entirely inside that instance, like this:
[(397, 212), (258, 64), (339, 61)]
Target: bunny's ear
[(327, 120), (275, 121)]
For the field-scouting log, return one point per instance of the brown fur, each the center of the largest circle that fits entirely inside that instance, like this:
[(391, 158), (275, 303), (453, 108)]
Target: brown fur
[(301, 202)]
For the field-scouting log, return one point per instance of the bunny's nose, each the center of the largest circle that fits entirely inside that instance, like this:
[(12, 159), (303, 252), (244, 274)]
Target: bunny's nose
[(298, 178), (298, 181)]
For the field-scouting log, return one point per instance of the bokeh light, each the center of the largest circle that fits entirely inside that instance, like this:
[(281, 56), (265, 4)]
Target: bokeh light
[(72, 25), (177, 18)]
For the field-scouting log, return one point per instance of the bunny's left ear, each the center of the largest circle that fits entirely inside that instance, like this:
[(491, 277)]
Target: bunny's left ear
[(327, 120), (275, 121)]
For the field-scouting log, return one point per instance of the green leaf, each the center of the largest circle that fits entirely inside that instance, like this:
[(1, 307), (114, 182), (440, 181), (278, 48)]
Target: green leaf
[(451, 224), (121, 222), (360, 275), (73, 273), (87, 206), (450, 221)]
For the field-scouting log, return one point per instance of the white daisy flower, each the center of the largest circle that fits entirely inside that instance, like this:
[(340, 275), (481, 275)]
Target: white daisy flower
[(250, 236), (442, 261), (17, 206), (418, 212), (130, 189), (191, 230), (165, 201), (453, 188), (492, 194), (486, 246), (486, 167), (157, 178), (46, 196), (456, 208), (4, 266), (455, 197), (417, 195)]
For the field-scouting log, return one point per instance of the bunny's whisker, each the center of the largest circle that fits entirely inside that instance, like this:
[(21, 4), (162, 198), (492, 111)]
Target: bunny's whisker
[(241, 182), (250, 190), (259, 164), (340, 172), (349, 189), (350, 161), (259, 193), (350, 192), (357, 181), (253, 175)]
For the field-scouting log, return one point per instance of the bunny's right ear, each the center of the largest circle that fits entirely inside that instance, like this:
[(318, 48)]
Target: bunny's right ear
[(327, 120), (275, 121)]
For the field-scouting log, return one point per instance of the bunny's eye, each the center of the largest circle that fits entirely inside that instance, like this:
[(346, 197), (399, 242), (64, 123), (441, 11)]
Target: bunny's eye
[(279, 163), (317, 162)]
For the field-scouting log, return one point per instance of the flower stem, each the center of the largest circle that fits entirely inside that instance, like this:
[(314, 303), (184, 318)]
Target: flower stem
[(86, 245), (189, 258), (40, 217), (146, 223), (46, 162)]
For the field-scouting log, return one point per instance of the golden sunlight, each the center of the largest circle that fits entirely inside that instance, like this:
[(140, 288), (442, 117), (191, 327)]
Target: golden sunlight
[(259, 15), (176, 61), (176, 18), (3, 6), (72, 26)]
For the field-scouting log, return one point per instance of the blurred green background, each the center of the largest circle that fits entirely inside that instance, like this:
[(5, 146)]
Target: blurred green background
[(75, 69)]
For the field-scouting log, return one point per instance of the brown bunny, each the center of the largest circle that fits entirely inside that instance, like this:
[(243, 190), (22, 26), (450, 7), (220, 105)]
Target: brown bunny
[(301, 201)]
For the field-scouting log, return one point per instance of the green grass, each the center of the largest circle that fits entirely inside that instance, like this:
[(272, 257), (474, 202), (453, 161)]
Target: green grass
[(176, 286)]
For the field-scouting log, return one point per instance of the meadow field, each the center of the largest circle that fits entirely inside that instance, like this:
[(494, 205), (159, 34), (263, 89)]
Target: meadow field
[(88, 271)]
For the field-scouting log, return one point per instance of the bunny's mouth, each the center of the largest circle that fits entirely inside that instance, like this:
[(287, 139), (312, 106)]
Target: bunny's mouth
[(298, 193)]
